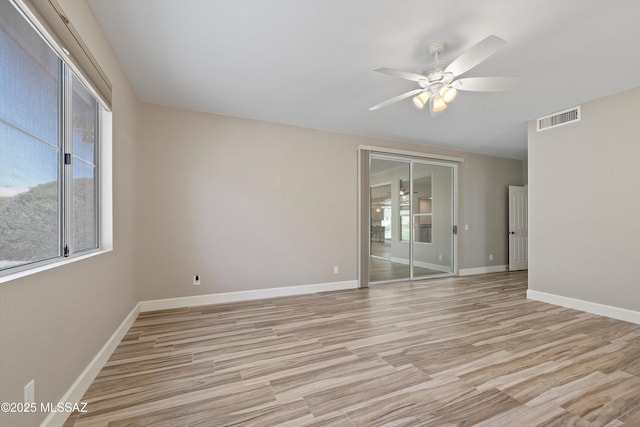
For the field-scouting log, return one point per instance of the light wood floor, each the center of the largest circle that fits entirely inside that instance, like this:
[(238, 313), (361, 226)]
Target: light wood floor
[(446, 352)]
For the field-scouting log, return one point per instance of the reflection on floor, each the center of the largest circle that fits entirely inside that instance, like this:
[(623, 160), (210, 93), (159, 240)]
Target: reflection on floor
[(383, 269), (381, 249)]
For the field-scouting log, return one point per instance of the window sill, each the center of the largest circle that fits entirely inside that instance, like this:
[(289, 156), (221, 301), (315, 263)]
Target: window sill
[(48, 265)]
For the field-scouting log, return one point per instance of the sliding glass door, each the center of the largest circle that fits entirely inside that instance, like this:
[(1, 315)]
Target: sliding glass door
[(411, 215), (389, 258), (432, 220)]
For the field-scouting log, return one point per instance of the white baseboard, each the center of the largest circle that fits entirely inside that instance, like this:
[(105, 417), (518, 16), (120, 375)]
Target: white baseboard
[(82, 383), (482, 270), (590, 307), (196, 300)]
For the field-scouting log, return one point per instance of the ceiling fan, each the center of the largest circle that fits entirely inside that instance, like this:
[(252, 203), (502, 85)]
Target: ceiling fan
[(438, 82)]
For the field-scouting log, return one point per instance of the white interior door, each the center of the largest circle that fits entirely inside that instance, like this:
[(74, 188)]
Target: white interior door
[(518, 228)]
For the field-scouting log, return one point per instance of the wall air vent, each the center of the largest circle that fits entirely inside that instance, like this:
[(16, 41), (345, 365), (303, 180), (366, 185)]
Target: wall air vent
[(558, 119)]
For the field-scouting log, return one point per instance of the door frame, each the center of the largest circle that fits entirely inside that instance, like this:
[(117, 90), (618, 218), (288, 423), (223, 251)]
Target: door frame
[(365, 153)]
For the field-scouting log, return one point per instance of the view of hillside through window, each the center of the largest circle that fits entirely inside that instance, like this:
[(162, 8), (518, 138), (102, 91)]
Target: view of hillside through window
[(34, 83)]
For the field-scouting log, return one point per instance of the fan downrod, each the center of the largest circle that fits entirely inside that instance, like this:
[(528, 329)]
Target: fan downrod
[(437, 48)]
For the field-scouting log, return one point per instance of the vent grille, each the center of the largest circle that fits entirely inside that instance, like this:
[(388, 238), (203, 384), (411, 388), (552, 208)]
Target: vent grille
[(559, 119)]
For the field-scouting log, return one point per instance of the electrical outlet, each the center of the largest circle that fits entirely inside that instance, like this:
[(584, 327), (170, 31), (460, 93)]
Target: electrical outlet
[(196, 280), (439, 257), (30, 392), (490, 257), (336, 269), (466, 227)]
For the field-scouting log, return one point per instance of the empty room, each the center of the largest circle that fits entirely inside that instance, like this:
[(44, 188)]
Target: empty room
[(319, 213)]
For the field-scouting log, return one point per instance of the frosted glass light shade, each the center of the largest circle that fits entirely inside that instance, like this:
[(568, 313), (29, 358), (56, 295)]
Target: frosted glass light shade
[(437, 104), (420, 100), (448, 94)]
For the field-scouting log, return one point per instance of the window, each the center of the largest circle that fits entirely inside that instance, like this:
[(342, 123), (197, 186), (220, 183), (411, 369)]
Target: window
[(422, 217), (405, 210), (49, 145), (421, 197)]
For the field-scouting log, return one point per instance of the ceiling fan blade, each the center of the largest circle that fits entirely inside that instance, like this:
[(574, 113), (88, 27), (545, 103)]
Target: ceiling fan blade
[(402, 74), (486, 84), (396, 99), (475, 55)]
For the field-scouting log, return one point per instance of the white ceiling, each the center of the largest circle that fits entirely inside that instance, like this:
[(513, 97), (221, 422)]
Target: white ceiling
[(310, 63)]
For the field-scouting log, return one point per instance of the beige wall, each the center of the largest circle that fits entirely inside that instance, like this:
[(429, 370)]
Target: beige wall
[(244, 204), (253, 205), (53, 323), (483, 194), (584, 204)]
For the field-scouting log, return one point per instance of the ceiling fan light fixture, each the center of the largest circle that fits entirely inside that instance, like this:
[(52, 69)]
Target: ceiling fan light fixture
[(420, 100), (438, 83), (437, 104), (448, 94)]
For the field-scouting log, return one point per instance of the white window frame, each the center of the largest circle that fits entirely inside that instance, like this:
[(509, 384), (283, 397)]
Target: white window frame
[(104, 187)]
